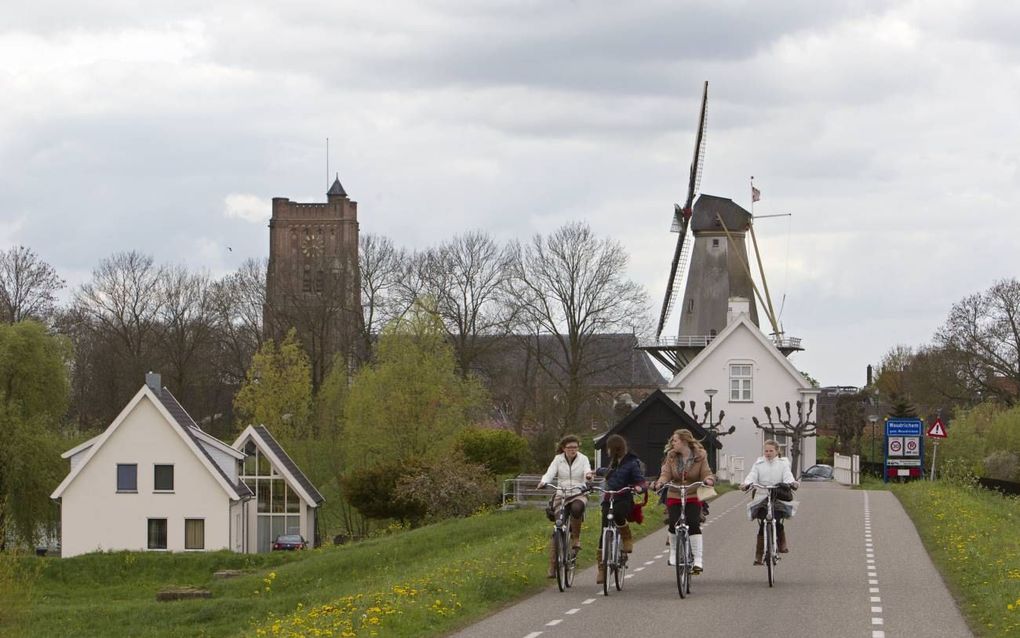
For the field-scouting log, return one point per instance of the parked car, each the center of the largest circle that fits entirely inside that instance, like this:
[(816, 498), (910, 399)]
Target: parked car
[(289, 541), (817, 473)]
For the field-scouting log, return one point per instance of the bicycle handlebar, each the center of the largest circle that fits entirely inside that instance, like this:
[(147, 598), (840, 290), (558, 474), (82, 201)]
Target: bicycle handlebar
[(581, 489), (772, 487), (682, 488), (622, 490)]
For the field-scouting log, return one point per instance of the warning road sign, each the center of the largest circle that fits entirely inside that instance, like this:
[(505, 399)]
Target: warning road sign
[(937, 429)]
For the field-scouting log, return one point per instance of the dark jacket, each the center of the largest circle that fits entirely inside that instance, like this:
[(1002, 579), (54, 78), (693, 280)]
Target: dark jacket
[(628, 472)]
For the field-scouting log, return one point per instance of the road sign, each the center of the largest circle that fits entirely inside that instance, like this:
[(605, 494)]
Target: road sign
[(938, 429), (904, 462), (895, 446), (903, 427), (911, 446)]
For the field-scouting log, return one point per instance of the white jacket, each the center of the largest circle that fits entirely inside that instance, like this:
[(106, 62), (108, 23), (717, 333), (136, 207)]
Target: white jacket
[(567, 475), (764, 472)]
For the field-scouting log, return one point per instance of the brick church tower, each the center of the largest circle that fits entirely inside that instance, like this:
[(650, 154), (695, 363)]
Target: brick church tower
[(312, 282)]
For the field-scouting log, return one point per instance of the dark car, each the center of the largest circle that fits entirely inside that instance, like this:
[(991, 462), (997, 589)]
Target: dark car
[(817, 473), (289, 541)]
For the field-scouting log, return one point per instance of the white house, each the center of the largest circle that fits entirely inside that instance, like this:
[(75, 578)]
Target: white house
[(153, 480), (740, 372)]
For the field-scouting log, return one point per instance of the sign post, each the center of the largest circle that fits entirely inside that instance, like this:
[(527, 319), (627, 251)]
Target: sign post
[(936, 431), (904, 454)]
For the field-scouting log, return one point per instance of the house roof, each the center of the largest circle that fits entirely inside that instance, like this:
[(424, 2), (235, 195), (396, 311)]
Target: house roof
[(282, 462), (658, 396), (173, 414), (337, 188), (745, 322)]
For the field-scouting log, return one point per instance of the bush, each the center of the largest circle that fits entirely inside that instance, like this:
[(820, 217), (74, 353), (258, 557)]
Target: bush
[(989, 432), (449, 488), (1002, 465), (500, 451), (373, 491)]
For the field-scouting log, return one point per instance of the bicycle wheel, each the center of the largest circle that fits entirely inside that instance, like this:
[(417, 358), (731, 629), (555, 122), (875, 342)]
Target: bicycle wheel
[(561, 557), (620, 573), (770, 549), (607, 557), (680, 554), (569, 562)]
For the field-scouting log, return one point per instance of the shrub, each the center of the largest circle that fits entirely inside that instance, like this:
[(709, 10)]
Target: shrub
[(452, 487), (1002, 465), (500, 451), (373, 491)]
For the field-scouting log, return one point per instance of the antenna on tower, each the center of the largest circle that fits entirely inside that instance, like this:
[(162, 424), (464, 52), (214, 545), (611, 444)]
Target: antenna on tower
[(327, 163)]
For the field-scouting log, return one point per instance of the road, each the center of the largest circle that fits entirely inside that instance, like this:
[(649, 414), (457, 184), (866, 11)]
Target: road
[(856, 567)]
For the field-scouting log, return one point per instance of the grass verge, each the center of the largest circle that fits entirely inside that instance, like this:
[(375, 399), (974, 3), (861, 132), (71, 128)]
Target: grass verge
[(973, 537)]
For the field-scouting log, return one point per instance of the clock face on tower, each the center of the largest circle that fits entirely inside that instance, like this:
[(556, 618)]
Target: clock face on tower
[(313, 245)]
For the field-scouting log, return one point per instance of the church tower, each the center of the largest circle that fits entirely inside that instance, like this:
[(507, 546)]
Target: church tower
[(312, 281)]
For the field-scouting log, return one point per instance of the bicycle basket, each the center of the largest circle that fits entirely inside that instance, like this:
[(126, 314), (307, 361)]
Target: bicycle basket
[(783, 493), (550, 511)]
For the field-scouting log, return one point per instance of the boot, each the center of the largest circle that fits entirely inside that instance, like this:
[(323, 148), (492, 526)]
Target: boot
[(575, 534), (600, 575), (759, 548), (697, 548), (672, 552), (781, 539), (628, 539), (552, 562)]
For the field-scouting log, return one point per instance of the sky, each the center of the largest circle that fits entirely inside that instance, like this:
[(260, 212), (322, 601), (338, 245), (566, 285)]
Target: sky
[(887, 130)]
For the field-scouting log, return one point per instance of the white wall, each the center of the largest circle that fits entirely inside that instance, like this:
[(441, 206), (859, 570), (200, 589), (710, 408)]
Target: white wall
[(772, 385), (95, 517)]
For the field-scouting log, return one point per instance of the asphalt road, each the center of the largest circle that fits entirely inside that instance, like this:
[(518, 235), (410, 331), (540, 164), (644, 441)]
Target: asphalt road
[(856, 567)]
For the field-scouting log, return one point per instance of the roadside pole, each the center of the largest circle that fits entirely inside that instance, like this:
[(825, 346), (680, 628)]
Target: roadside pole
[(937, 431)]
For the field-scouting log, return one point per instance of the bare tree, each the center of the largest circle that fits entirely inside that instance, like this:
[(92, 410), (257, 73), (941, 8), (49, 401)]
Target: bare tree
[(28, 286), (571, 286), (186, 335), (238, 302), (805, 427), (381, 269), (983, 331)]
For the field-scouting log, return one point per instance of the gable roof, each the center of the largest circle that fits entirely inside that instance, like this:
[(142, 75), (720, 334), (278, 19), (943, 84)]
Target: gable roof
[(768, 346), (658, 396), (282, 462), (235, 490)]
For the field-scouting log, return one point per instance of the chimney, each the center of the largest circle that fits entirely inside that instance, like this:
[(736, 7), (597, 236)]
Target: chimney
[(155, 383), (737, 306), (869, 374)]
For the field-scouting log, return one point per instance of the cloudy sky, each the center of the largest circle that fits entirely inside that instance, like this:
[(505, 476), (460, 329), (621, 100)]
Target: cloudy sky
[(888, 130)]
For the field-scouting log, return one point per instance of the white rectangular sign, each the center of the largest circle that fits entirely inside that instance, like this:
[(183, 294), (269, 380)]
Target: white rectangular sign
[(911, 446), (895, 446)]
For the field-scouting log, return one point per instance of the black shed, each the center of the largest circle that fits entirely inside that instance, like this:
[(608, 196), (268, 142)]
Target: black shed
[(648, 427)]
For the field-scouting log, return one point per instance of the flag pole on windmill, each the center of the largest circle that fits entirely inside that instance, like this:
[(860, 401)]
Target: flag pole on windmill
[(755, 193)]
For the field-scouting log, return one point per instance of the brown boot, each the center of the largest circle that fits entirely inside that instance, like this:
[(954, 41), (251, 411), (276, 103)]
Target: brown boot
[(575, 534), (627, 537), (600, 575), (759, 549), (552, 562), (781, 539)]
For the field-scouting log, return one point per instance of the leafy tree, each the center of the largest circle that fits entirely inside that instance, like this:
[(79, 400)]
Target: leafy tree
[(373, 490), (28, 286), (447, 488), (499, 451), (410, 403), (278, 389), (33, 398), (901, 407), (848, 417)]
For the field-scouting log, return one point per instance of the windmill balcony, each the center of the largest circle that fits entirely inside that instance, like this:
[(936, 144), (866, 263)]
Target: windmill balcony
[(686, 341)]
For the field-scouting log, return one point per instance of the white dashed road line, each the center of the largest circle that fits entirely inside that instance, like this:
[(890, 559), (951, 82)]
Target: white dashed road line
[(869, 557)]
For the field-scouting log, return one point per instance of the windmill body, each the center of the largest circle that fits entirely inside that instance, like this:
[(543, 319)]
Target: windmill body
[(718, 271)]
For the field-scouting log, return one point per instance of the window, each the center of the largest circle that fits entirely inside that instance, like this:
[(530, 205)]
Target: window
[(127, 477), (157, 533), (163, 478), (740, 382), (715, 243), (194, 533)]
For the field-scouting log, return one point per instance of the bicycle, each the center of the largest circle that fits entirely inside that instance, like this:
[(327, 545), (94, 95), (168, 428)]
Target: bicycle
[(683, 554), (566, 557), (770, 557), (613, 557)]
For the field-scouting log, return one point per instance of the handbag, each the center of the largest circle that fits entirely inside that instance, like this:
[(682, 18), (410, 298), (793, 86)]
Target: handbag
[(637, 514)]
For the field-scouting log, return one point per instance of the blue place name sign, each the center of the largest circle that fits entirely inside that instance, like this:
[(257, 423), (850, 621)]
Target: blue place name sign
[(903, 427)]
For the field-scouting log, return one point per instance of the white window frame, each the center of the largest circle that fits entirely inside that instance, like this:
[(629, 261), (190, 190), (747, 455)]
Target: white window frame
[(744, 390)]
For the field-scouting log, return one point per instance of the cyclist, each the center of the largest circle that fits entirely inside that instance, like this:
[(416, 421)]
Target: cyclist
[(686, 462), (624, 469), (568, 470), (770, 469)]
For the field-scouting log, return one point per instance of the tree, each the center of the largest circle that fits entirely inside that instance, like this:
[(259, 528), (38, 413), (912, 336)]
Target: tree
[(381, 267), (33, 398), (28, 286), (277, 391), (984, 331), (804, 428), (499, 451), (571, 285), (848, 417), (410, 403)]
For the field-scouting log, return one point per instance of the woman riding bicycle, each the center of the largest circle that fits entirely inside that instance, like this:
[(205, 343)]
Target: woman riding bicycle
[(770, 469), (624, 470), (568, 470), (686, 462)]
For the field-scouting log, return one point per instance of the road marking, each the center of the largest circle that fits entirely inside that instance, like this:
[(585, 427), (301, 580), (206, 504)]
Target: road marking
[(553, 623), (869, 554), (878, 634), (876, 621), (876, 610), (637, 569), (534, 634), (589, 601), (571, 612), (650, 562)]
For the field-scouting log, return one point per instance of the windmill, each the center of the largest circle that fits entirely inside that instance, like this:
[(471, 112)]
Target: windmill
[(711, 247)]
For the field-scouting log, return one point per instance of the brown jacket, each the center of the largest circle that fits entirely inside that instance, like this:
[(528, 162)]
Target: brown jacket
[(696, 469)]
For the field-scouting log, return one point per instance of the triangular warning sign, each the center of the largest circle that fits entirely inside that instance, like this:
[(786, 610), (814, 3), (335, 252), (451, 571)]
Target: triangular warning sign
[(937, 429)]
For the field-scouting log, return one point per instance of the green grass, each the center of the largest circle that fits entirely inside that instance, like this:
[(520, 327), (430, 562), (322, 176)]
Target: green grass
[(973, 537), (423, 582)]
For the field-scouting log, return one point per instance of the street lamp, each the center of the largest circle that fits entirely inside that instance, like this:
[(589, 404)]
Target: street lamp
[(874, 420), (711, 392)]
